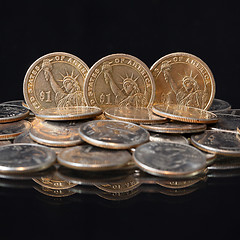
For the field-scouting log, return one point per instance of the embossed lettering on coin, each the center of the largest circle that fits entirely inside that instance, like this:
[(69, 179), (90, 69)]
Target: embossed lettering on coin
[(119, 80), (55, 80), (182, 78)]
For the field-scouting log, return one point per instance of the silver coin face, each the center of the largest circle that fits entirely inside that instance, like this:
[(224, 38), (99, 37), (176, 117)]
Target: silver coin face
[(225, 163), (175, 127), (161, 137), (14, 102), (226, 122), (231, 112), (169, 159), (219, 105), (113, 134), (219, 142), (87, 157), (11, 113), (20, 158), (24, 138), (56, 134), (70, 113), (133, 114), (11, 130)]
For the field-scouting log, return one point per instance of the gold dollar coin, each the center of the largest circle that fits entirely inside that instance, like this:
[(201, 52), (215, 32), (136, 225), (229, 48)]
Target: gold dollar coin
[(183, 79), (119, 80), (55, 80)]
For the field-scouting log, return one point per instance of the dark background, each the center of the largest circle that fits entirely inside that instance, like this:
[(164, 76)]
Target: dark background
[(148, 30)]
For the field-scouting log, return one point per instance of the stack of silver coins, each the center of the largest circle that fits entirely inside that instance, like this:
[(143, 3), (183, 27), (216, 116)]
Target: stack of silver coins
[(118, 126)]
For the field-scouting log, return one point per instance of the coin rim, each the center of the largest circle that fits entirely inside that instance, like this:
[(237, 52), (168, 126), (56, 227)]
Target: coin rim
[(155, 64)]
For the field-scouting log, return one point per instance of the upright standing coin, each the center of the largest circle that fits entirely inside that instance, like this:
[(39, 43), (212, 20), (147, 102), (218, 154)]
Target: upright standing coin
[(225, 143), (119, 80), (175, 127), (55, 80), (70, 113), (20, 158), (113, 134), (184, 113), (90, 158), (219, 105), (182, 78), (226, 122), (13, 129), (56, 134), (169, 159), (133, 114), (12, 113)]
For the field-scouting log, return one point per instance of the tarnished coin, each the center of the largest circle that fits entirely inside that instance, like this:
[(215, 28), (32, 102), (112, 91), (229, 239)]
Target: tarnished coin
[(113, 134), (226, 122), (133, 114), (4, 142), (175, 127), (12, 113), (161, 137), (184, 113), (56, 134), (231, 112), (25, 157), (220, 142), (69, 113), (55, 80), (225, 163), (183, 79), (90, 158), (119, 80), (219, 105), (169, 159), (13, 129), (14, 102)]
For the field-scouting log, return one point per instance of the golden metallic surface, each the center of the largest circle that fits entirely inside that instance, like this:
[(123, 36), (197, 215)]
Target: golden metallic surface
[(182, 78), (55, 80), (119, 80), (69, 113), (133, 114), (184, 113)]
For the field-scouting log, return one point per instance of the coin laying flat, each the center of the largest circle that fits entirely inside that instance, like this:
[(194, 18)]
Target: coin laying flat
[(175, 127), (161, 137), (56, 134), (226, 122), (70, 113), (133, 114), (184, 113), (119, 80), (231, 112), (55, 80), (113, 134), (12, 113), (183, 79), (219, 105), (220, 142), (169, 159), (13, 129), (14, 102), (4, 142), (225, 163), (90, 158), (20, 158)]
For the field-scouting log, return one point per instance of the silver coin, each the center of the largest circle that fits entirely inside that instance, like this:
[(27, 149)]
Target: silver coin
[(4, 142), (70, 113), (225, 163), (219, 105), (175, 127), (56, 134), (90, 158), (113, 134), (220, 142), (161, 137), (11, 113), (23, 157), (14, 102), (226, 122), (169, 159), (133, 114), (13, 129)]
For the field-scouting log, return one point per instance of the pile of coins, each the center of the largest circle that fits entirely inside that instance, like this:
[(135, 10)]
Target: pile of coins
[(119, 119)]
